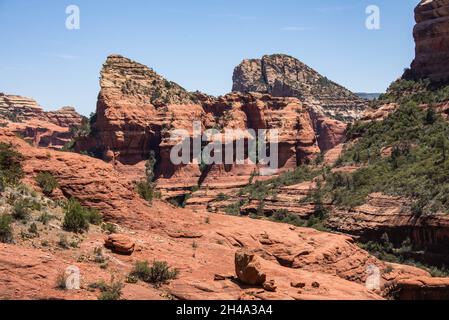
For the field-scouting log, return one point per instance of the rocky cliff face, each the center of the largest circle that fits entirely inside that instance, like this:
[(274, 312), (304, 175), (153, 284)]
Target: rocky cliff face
[(15, 108), (285, 76), (45, 129), (137, 109), (431, 35)]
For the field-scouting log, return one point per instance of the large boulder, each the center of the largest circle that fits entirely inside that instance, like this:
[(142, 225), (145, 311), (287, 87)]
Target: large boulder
[(120, 243), (248, 268)]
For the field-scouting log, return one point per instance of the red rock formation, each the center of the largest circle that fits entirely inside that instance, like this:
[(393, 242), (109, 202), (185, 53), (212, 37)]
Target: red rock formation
[(42, 133), (284, 76), (330, 132), (20, 109), (392, 215), (17, 108), (422, 288), (46, 129), (93, 182), (385, 110), (431, 35), (65, 117), (162, 232), (120, 244), (248, 268), (137, 109)]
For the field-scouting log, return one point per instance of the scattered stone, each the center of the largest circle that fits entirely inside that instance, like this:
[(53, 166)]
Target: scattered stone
[(221, 277), (298, 284), (315, 285), (248, 268), (270, 286)]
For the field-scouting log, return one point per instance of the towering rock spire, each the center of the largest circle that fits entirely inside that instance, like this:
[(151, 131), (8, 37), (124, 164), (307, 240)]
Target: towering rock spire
[(431, 35)]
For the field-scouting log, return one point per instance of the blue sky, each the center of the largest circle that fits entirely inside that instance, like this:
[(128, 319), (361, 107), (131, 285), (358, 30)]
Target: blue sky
[(196, 43)]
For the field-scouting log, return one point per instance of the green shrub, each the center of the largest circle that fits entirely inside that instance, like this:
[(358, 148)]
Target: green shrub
[(158, 274), (10, 164), (418, 91), (46, 182), (146, 190), (100, 285), (146, 187), (260, 190), (385, 250), (111, 291), (284, 216), (61, 280), (222, 197), (45, 218), (33, 229), (75, 218), (22, 209), (6, 235), (63, 242), (109, 228), (235, 208), (93, 216)]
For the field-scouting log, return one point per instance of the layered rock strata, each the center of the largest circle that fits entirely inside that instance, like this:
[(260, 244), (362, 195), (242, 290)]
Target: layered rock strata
[(137, 109), (431, 34), (27, 119), (285, 76)]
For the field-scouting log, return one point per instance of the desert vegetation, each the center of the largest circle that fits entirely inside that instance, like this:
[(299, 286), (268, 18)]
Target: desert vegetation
[(158, 273), (405, 155), (77, 218)]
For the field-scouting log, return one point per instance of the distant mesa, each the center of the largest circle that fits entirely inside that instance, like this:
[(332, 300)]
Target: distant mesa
[(26, 118), (368, 96)]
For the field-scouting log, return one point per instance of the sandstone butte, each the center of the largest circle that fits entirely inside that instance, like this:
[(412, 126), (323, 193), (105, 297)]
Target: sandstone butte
[(284, 76), (432, 40), (26, 118), (286, 254), (137, 108)]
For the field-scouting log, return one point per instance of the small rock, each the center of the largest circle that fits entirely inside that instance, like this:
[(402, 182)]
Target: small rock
[(219, 277), (298, 284), (120, 243), (315, 285), (270, 286), (222, 277)]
